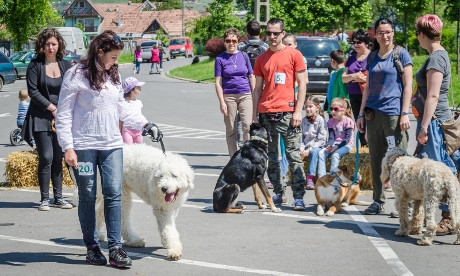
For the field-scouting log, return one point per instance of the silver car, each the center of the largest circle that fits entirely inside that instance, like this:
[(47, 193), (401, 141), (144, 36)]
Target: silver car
[(147, 50)]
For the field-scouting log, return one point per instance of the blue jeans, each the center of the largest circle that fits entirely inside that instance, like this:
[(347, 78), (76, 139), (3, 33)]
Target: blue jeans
[(436, 150), (335, 159), (138, 66), (314, 154), (110, 164)]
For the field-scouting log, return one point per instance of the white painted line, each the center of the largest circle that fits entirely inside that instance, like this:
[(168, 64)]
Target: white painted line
[(379, 243), (156, 258), (5, 115), (207, 174)]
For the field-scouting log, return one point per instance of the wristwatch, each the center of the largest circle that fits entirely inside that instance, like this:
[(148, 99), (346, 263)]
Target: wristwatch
[(404, 113)]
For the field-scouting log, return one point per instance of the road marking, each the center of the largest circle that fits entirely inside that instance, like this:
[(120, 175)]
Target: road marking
[(6, 115), (170, 131), (155, 257)]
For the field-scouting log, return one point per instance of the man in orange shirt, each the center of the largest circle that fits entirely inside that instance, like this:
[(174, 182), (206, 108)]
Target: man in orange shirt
[(276, 71)]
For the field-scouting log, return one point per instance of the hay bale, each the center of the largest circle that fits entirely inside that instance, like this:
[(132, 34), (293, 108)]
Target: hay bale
[(350, 159), (21, 170)]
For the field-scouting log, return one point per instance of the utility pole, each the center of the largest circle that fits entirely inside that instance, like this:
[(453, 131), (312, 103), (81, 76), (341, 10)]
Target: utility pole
[(183, 18), (262, 8)]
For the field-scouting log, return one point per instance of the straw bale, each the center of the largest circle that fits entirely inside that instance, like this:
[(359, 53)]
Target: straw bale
[(21, 170)]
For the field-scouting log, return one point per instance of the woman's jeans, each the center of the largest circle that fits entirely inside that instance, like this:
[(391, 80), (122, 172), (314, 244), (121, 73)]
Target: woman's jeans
[(110, 165), (436, 150), (335, 159), (49, 164)]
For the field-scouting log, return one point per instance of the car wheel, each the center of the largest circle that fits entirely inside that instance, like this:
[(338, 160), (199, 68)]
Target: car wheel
[(1, 84)]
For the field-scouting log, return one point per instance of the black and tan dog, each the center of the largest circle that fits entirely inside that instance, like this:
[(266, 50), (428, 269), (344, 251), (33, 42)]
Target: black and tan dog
[(245, 169)]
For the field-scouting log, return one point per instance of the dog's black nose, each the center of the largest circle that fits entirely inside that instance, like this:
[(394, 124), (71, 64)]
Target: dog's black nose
[(164, 189)]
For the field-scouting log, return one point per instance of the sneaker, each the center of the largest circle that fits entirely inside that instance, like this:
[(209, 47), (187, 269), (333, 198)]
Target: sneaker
[(62, 203), (45, 205), (310, 185), (119, 258), (94, 256), (279, 199), (395, 213), (298, 205), (374, 209)]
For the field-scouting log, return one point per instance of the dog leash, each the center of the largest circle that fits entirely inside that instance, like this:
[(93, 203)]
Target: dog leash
[(355, 177), (159, 139)]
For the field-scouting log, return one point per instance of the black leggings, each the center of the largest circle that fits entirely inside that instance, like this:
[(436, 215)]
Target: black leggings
[(49, 163)]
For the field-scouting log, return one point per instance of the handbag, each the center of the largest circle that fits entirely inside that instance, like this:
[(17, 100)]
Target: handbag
[(139, 59), (451, 130)]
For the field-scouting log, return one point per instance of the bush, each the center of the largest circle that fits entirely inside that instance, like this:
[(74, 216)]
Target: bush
[(214, 47)]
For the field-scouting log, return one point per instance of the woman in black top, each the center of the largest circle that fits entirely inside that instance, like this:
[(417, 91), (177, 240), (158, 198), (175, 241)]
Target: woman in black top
[(44, 79)]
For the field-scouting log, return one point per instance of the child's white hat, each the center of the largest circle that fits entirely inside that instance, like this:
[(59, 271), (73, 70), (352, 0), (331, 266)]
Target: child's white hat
[(130, 83)]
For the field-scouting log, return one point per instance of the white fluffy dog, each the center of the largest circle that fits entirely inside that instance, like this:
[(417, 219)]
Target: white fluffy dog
[(426, 182), (160, 180)]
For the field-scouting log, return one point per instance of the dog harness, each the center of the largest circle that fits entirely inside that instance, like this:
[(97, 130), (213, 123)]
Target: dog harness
[(339, 180)]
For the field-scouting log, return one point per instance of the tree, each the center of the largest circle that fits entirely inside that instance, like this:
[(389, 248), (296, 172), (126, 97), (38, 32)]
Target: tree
[(452, 13), (222, 16), (25, 18), (170, 5)]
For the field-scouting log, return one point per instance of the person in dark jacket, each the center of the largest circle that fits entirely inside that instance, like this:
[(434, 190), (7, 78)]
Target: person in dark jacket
[(44, 79)]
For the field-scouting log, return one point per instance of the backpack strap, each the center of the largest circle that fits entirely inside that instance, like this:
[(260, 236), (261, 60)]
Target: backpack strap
[(396, 59), (370, 59)]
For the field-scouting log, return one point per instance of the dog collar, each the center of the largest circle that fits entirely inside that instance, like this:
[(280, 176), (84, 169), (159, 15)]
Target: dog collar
[(257, 138), (338, 179)]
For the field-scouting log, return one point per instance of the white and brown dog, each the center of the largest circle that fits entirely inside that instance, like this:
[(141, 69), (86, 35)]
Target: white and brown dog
[(426, 182), (334, 191)]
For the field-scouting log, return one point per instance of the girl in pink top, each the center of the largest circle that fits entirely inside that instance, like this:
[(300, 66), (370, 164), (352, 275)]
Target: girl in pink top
[(340, 142), (138, 58), (155, 59)]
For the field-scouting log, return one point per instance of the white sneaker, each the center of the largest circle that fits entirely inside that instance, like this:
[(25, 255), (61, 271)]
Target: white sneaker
[(45, 205)]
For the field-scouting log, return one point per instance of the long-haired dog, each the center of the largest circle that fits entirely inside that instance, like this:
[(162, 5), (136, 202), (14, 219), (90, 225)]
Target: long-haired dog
[(426, 182), (245, 169), (336, 190), (162, 181)]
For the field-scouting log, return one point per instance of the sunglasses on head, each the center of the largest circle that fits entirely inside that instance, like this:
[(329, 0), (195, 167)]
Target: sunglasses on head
[(357, 42), (335, 108), (272, 33), (116, 39), (234, 41)]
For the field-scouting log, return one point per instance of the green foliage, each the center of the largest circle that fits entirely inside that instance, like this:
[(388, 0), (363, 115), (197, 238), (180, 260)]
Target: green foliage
[(161, 36), (221, 18), (80, 26), (25, 18), (170, 5)]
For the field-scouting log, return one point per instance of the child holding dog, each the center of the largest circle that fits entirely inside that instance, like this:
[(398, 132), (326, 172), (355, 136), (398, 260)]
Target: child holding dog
[(340, 127), (314, 136)]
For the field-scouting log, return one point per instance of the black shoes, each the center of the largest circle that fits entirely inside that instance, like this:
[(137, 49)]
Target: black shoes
[(119, 258)]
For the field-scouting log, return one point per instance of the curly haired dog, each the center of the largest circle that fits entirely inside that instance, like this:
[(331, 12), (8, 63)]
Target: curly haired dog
[(162, 181), (426, 182)]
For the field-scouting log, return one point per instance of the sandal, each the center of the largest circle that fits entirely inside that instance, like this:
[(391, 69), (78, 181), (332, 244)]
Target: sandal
[(445, 226)]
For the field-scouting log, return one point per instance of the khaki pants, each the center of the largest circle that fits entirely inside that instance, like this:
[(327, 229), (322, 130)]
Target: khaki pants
[(292, 138), (242, 104), (378, 129)]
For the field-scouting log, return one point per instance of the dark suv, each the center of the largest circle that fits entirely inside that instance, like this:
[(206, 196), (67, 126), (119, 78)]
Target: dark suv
[(316, 50)]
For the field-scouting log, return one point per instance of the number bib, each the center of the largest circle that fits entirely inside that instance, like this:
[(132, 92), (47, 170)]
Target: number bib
[(280, 78), (85, 168)]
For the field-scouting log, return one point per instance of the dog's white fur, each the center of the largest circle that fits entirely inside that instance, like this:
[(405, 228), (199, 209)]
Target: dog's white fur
[(426, 182), (154, 177)]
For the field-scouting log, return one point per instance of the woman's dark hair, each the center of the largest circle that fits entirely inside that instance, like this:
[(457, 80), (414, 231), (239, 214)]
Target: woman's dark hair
[(362, 35), (94, 67), (381, 21), (43, 36)]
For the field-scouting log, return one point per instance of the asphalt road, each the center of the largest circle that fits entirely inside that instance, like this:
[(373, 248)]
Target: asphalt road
[(256, 242)]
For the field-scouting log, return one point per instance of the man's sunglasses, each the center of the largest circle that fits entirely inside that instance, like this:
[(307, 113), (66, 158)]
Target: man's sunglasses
[(272, 33)]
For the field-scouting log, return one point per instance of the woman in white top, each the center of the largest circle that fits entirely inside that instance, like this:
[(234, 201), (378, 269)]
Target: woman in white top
[(87, 125)]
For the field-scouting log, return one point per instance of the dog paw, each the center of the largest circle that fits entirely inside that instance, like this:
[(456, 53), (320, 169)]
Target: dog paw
[(400, 233), (240, 206), (135, 243), (416, 232), (344, 204), (276, 210), (263, 206), (320, 213), (329, 213), (424, 241), (174, 255)]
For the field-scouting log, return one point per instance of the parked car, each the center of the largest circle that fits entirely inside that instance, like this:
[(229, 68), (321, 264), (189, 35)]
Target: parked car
[(316, 50), (147, 50), (72, 57), (180, 46), (7, 72), (21, 61)]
